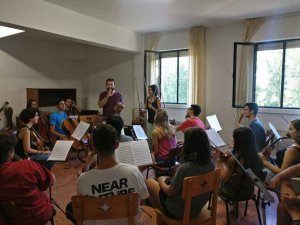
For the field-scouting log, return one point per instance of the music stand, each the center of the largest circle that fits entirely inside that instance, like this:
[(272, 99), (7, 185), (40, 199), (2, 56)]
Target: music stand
[(267, 198)]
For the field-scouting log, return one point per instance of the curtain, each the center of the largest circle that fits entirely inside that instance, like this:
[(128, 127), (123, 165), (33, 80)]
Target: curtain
[(197, 49), (245, 76), (151, 42)]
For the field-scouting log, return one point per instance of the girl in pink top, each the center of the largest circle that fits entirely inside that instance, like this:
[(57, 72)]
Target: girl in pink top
[(163, 136)]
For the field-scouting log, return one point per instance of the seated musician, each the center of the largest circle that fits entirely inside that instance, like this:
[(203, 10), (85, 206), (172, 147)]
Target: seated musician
[(250, 112), (26, 146), (114, 178), (42, 127), (288, 209), (163, 136), (71, 107), (117, 122), (56, 120), (167, 196), (193, 120), (234, 184), (24, 182), (292, 154)]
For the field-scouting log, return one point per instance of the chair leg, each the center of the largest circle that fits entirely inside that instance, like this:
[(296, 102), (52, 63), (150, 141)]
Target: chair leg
[(257, 210), (227, 213), (237, 209), (246, 207)]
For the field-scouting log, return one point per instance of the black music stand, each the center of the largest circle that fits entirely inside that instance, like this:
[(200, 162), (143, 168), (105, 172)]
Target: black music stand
[(53, 202)]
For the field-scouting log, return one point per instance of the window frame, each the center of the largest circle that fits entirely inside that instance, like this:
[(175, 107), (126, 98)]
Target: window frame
[(255, 46), (177, 51)]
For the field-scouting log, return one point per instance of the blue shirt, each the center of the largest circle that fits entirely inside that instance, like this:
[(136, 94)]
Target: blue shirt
[(259, 132), (57, 119)]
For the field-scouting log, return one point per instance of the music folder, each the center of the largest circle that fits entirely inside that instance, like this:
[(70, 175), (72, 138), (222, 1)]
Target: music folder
[(214, 122), (134, 152), (60, 150), (216, 140), (275, 132)]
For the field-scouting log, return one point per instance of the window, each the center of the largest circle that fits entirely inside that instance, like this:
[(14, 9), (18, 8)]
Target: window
[(170, 71), (274, 77)]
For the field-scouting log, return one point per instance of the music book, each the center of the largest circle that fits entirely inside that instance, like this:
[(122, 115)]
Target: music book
[(60, 150), (214, 122), (275, 132), (216, 140), (80, 130), (134, 152), (139, 132)]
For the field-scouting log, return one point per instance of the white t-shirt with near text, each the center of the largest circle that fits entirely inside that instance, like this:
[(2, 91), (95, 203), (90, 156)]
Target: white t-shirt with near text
[(120, 179)]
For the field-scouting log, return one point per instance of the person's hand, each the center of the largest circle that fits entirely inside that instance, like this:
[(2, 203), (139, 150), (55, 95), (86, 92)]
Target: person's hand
[(290, 200), (263, 158), (274, 183), (118, 107), (162, 179), (63, 137), (110, 92)]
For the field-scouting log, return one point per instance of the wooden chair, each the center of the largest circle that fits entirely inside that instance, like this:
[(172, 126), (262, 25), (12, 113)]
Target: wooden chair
[(93, 208), (194, 186), (8, 211)]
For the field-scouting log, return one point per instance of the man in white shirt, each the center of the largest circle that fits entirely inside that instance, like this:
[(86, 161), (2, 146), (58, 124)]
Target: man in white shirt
[(110, 177)]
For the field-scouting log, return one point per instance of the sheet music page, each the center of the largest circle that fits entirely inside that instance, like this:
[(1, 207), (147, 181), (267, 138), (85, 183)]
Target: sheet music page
[(214, 122), (60, 150), (214, 138), (141, 152), (139, 132), (275, 132), (80, 130), (124, 153)]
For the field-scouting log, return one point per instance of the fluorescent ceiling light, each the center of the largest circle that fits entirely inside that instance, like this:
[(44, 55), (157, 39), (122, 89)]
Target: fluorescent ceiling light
[(6, 31)]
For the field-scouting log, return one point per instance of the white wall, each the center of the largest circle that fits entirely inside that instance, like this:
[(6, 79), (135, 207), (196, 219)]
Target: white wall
[(16, 76), (124, 79)]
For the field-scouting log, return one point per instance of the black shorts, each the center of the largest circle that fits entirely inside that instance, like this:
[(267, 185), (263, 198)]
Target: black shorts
[(162, 198)]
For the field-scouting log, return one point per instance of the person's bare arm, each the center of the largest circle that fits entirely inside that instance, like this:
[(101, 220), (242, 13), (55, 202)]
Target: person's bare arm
[(53, 131), (167, 189)]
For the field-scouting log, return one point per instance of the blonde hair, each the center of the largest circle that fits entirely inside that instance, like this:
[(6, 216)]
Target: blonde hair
[(161, 121)]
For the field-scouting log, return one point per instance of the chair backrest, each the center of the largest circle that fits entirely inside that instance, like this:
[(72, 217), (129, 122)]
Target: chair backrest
[(197, 185), (8, 211), (93, 208)]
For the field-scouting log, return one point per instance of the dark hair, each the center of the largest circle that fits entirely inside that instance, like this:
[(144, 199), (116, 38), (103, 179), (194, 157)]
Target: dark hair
[(29, 103), (196, 109), (110, 79), (245, 147), (7, 144), (27, 114), (252, 106), (105, 138), (117, 122), (154, 89), (58, 100), (196, 146), (296, 124)]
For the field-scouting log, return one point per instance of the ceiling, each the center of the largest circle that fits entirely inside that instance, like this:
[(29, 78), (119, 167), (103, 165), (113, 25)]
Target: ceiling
[(162, 15)]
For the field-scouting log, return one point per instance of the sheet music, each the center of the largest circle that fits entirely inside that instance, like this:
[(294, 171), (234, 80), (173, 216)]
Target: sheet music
[(80, 130), (124, 153), (275, 132), (214, 122), (60, 150), (74, 117), (216, 140), (141, 152), (134, 152), (139, 132)]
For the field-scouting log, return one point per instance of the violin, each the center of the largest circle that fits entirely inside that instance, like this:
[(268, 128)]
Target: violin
[(267, 150), (37, 140)]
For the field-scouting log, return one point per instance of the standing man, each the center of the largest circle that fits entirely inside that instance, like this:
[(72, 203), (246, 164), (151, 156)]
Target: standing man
[(250, 112), (192, 120), (24, 182), (56, 120), (110, 100)]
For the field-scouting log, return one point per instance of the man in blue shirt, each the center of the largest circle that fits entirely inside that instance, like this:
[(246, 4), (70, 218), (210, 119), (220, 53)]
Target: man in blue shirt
[(56, 120), (250, 112)]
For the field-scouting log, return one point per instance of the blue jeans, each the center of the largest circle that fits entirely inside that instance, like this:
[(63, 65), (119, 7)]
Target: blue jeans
[(42, 159)]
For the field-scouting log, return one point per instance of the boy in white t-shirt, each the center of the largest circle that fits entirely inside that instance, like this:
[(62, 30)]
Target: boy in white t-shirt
[(109, 177)]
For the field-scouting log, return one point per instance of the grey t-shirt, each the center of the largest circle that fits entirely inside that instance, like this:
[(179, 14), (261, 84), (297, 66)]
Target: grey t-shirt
[(175, 203)]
